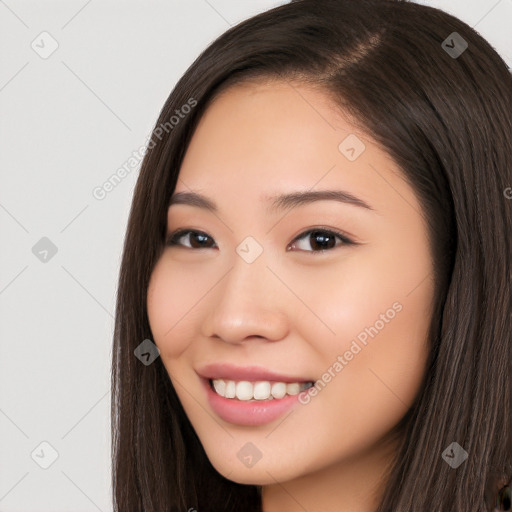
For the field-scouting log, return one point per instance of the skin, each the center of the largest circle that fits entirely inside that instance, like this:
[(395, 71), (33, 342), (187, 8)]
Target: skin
[(296, 311)]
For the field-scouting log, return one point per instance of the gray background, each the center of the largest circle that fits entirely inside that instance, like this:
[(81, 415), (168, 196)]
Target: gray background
[(68, 121)]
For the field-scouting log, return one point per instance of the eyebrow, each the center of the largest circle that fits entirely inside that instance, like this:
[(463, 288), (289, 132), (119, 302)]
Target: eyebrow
[(277, 202)]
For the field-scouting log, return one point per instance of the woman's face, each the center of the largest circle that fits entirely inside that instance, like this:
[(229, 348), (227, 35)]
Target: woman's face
[(251, 287)]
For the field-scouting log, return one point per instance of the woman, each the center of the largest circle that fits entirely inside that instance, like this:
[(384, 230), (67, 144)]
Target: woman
[(373, 375)]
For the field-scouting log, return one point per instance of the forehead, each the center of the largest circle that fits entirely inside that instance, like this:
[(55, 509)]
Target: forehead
[(265, 128), (256, 140)]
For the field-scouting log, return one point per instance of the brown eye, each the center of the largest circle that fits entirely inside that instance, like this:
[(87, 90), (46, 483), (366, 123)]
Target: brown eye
[(197, 239), (321, 240)]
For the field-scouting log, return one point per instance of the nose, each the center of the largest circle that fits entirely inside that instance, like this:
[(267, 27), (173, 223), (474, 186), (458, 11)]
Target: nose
[(247, 303)]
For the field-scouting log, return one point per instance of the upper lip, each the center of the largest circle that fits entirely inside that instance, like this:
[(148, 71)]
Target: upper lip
[(247, 373)]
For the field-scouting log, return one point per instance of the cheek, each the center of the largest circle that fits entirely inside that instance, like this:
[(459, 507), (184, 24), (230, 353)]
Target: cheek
[(381, 315), (360, 297), (373, 309), (170, 300), (367, 387)]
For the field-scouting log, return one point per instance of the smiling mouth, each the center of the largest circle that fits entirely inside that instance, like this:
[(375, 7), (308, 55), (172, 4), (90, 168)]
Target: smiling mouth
[(251, 391)]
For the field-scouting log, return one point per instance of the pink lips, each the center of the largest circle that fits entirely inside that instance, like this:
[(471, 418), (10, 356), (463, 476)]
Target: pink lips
[(250, 373), (249, 413)]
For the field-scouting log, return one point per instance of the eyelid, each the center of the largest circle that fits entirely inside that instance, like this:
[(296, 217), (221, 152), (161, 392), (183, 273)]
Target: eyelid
[(345, 239), (170, 239)]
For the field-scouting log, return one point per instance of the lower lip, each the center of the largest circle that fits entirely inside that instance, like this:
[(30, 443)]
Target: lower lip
[(240, 412)]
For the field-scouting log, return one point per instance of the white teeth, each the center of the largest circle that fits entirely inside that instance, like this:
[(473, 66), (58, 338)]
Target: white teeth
[(244, 390), (220, 386), (293, 388), (230, 391), (279, 389), (261, 390)]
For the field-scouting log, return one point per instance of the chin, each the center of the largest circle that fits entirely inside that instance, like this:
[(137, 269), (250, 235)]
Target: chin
[(260, 474), (248, 477)]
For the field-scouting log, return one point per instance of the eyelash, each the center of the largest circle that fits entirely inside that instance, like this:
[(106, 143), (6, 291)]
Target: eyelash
[(174, 237)]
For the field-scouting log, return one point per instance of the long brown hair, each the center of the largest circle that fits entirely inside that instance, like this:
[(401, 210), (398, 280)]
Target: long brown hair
[(443, 112)]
